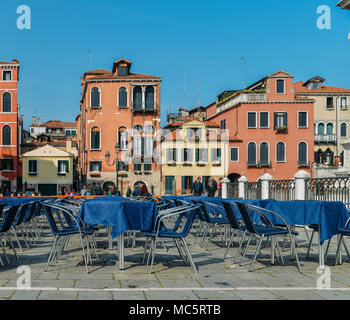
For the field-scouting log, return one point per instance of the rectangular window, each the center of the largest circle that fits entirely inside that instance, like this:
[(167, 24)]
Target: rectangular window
[(6, 76), (251, 120), (33, 167), (149, 146), (137, 166), (194, 133), (201, 155), (6, 164), (223, 125), (302, 119), (62, 166), (95, 166), (343, 103), (171, 155), (280, 120), (280, 86), (330, 103), (187, 155), (148, 167), (216, 155), (264, 119), (234, 154)]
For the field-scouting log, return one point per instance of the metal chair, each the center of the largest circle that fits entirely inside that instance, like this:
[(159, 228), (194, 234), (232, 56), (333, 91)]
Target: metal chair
[(64, 224), (344, 232), (267, 229), (184, 221)]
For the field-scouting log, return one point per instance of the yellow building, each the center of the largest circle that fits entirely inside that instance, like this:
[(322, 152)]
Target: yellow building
[(191, 149), (331, 121), (47, 169)]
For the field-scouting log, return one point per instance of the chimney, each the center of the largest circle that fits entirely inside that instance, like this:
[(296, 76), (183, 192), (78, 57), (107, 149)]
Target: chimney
[(33, 121), (39, 123)]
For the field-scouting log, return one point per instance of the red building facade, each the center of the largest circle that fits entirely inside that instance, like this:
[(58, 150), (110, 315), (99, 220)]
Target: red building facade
[(121, 107), (270, 129), (9, 161)]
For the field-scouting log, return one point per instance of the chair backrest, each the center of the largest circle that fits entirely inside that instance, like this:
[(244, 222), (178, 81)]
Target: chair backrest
[(32, 211), (190, 215), (8, 218), (21, 213), (231, 215), (243, 209)]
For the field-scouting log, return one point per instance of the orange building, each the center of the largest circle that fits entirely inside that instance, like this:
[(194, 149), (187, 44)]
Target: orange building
[(9, 161), (271, 130), (121, 107)]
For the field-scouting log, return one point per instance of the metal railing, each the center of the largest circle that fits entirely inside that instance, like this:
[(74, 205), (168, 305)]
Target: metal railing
[(328, 189), (282, 190), (252, 190), (232, 190)]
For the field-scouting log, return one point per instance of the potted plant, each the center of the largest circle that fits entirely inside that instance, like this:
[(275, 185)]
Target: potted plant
[(281, 129)]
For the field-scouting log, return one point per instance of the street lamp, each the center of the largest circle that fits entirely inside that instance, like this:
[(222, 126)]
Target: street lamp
[(115, 162)]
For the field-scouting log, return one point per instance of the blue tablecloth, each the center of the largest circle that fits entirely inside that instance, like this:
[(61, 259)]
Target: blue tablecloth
[(122, 214), (20, 201), (330, 215)]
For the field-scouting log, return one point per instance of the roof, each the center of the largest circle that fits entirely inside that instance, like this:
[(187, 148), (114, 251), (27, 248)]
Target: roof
[(111, 75), (53, 124), (300, 88), (47, 151), (344, 4), (14, 62)]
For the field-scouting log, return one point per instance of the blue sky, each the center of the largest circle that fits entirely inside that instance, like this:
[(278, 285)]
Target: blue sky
[(204, 39)]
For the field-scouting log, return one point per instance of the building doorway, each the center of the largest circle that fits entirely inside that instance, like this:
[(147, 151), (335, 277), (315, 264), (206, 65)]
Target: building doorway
[(233, 177)]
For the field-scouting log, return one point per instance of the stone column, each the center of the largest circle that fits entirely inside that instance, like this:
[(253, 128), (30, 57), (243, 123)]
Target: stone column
[(300, 184), (265, 185), (225, 183), (241, 187)]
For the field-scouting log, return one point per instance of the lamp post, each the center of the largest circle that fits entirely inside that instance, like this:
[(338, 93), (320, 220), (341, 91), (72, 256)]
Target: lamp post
[(116, 162)]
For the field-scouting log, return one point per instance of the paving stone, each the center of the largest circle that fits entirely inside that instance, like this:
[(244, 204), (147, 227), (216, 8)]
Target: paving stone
[(171, 295), (134, 284), (6, 294), (86, 295), (255, 295), (129, 295), (85, 276), (97, 284), (57, 295), (25, 295), (215, 295)]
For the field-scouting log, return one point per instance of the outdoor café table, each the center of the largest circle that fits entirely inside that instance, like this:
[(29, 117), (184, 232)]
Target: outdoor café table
[(122, 215), (330, 216)]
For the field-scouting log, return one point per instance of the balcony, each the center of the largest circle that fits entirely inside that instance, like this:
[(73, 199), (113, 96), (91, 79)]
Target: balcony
[(264, 164), (240, 98), (282, 129), (325, 138), (252, 165)]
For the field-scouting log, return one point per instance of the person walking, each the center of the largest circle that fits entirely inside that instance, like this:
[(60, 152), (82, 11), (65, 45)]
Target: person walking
[(197, 188), (211, 189), (128, 193)]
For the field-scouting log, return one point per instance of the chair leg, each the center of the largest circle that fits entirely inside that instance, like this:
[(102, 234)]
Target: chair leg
[(4, 251), (256, 253), (51, 253), (153, 253), (327, 250), (310, 243), (211, 236), (17, 240), (296, 254), (180, 251), (239, 247), (229, 245), (245, 251), (145, 250), (189, 255), (338, 250), (279, 252)]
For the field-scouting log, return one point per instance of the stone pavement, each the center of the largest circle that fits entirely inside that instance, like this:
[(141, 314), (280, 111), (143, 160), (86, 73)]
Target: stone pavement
[(217, 278)]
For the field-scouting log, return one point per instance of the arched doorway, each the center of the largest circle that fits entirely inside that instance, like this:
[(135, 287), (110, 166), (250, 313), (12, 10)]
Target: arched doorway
[(233, 177), (107, 186)]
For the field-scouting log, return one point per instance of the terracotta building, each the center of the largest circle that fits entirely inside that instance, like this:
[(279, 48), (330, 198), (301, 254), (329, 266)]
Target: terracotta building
[(9, 119), (270, 128), (119, 107)]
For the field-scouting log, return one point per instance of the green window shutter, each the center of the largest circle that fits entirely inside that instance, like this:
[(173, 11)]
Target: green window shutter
[(183, 184)]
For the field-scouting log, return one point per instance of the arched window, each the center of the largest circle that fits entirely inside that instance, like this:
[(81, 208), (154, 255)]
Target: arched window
[(150, 130), (321, 128), (123, 98), (329, 128), (343, 130), (137, 98), (95, 98), (6, 136), (280, 152), (319, 156), (302, 154), (138, 140), (123, 138), (149, 99), (6, 102), (329, 157), (264, 154), (251, 154), (95, 139)]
